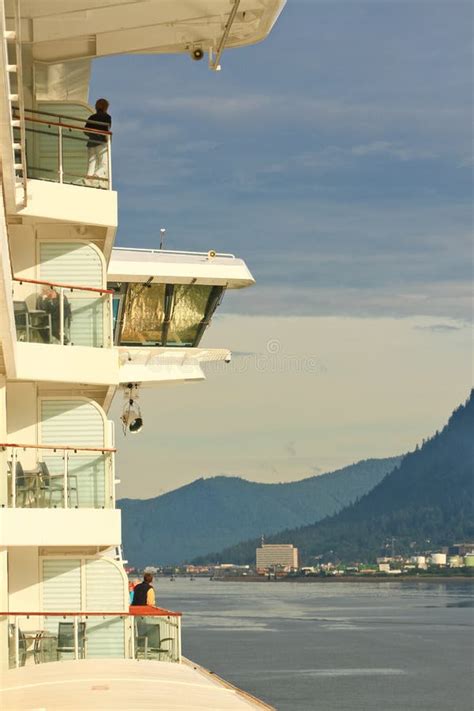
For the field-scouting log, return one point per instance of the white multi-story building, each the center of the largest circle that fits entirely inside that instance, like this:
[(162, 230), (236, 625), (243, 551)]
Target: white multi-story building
[(277, 555), (79, 323)]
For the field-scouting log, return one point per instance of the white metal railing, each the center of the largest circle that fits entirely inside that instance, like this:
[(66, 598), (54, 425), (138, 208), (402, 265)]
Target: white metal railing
[(59, 476), (141, 633), (64, 314), (185, 253), (58, 150), (11, 51)]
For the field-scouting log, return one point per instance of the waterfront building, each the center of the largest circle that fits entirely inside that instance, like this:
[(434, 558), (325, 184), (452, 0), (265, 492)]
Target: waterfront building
[(438, 559), (419, 561), (461, 549), (469, 560), (276, 555), (82, 322)]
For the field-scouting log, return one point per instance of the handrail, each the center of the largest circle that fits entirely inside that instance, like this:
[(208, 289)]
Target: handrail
[(226, 255), (151, 612), (63, 286), (66, 125), (54, 447), (53, 113)]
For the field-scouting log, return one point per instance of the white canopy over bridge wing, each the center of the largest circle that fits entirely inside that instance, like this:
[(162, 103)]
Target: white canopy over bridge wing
[(80, 29)]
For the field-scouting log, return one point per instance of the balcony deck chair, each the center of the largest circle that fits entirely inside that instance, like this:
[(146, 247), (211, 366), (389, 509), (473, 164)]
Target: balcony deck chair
[(51, 487), (31, 322), (149, 641), (66, 639), (26, 486)]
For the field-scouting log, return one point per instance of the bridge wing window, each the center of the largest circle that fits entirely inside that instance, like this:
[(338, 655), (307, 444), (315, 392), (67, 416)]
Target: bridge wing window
[(162, 314), (143, 314), (189, 309)]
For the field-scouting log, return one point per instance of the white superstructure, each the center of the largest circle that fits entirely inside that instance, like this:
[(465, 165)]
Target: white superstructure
[(79, 322)]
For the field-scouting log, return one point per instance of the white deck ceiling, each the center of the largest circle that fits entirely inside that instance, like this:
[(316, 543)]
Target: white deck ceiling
[(59, 30)]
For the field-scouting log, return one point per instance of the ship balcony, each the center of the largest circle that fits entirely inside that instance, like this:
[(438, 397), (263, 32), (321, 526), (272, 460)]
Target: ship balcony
[(66, 172), (62, 314), (59, 150), (144, 633), (58, 477), (63, 332)]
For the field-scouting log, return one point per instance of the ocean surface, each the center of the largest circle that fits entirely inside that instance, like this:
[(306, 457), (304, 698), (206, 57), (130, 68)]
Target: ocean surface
[(333, 646)]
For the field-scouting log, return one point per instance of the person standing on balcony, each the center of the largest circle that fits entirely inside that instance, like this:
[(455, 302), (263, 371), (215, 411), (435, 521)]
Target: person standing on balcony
[(144, 593), (97, 168), (50, 302)]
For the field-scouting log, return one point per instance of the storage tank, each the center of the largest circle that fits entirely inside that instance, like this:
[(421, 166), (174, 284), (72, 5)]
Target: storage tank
[(438, 558), (469, 560), (419, 561)]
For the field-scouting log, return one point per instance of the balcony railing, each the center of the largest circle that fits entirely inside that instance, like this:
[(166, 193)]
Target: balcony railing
[(62, 314), (60, 149), (50, 476), (141, 633)]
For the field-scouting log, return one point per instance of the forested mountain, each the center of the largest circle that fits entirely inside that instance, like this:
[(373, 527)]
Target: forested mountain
[(221, 511), (427, 501)]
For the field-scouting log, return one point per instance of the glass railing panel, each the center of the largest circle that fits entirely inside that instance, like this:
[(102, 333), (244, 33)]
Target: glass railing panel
[(56, 639), (85, 162), (58, 149), (106, 637), (87, 480), (87, 321), (62, 314), (157, 637), (42, 637), (42, 477)]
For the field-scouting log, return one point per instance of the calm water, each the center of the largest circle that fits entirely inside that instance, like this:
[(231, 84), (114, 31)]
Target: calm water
[(328, 647)]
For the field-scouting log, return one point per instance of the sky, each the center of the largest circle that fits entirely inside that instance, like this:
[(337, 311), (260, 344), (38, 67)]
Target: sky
[(335, 158)]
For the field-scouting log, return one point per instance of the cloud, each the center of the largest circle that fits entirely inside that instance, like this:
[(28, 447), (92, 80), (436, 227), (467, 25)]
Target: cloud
[(223, 107), (340, 171), (202, 146), (449, 300), (441, 328), (385, 148)]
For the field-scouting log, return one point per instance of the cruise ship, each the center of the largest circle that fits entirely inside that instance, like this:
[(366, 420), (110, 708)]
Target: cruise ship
[(82, 323)]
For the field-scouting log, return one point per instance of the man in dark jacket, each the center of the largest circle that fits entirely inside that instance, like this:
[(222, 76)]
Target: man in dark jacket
[(144, 594), (97, 144), (50, 302)]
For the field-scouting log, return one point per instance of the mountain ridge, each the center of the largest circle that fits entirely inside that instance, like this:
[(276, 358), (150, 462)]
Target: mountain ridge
[(427, 500), (186, 522)]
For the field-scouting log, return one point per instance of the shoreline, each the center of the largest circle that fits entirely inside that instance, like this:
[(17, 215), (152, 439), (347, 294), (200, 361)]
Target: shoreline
[(352, 579)]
